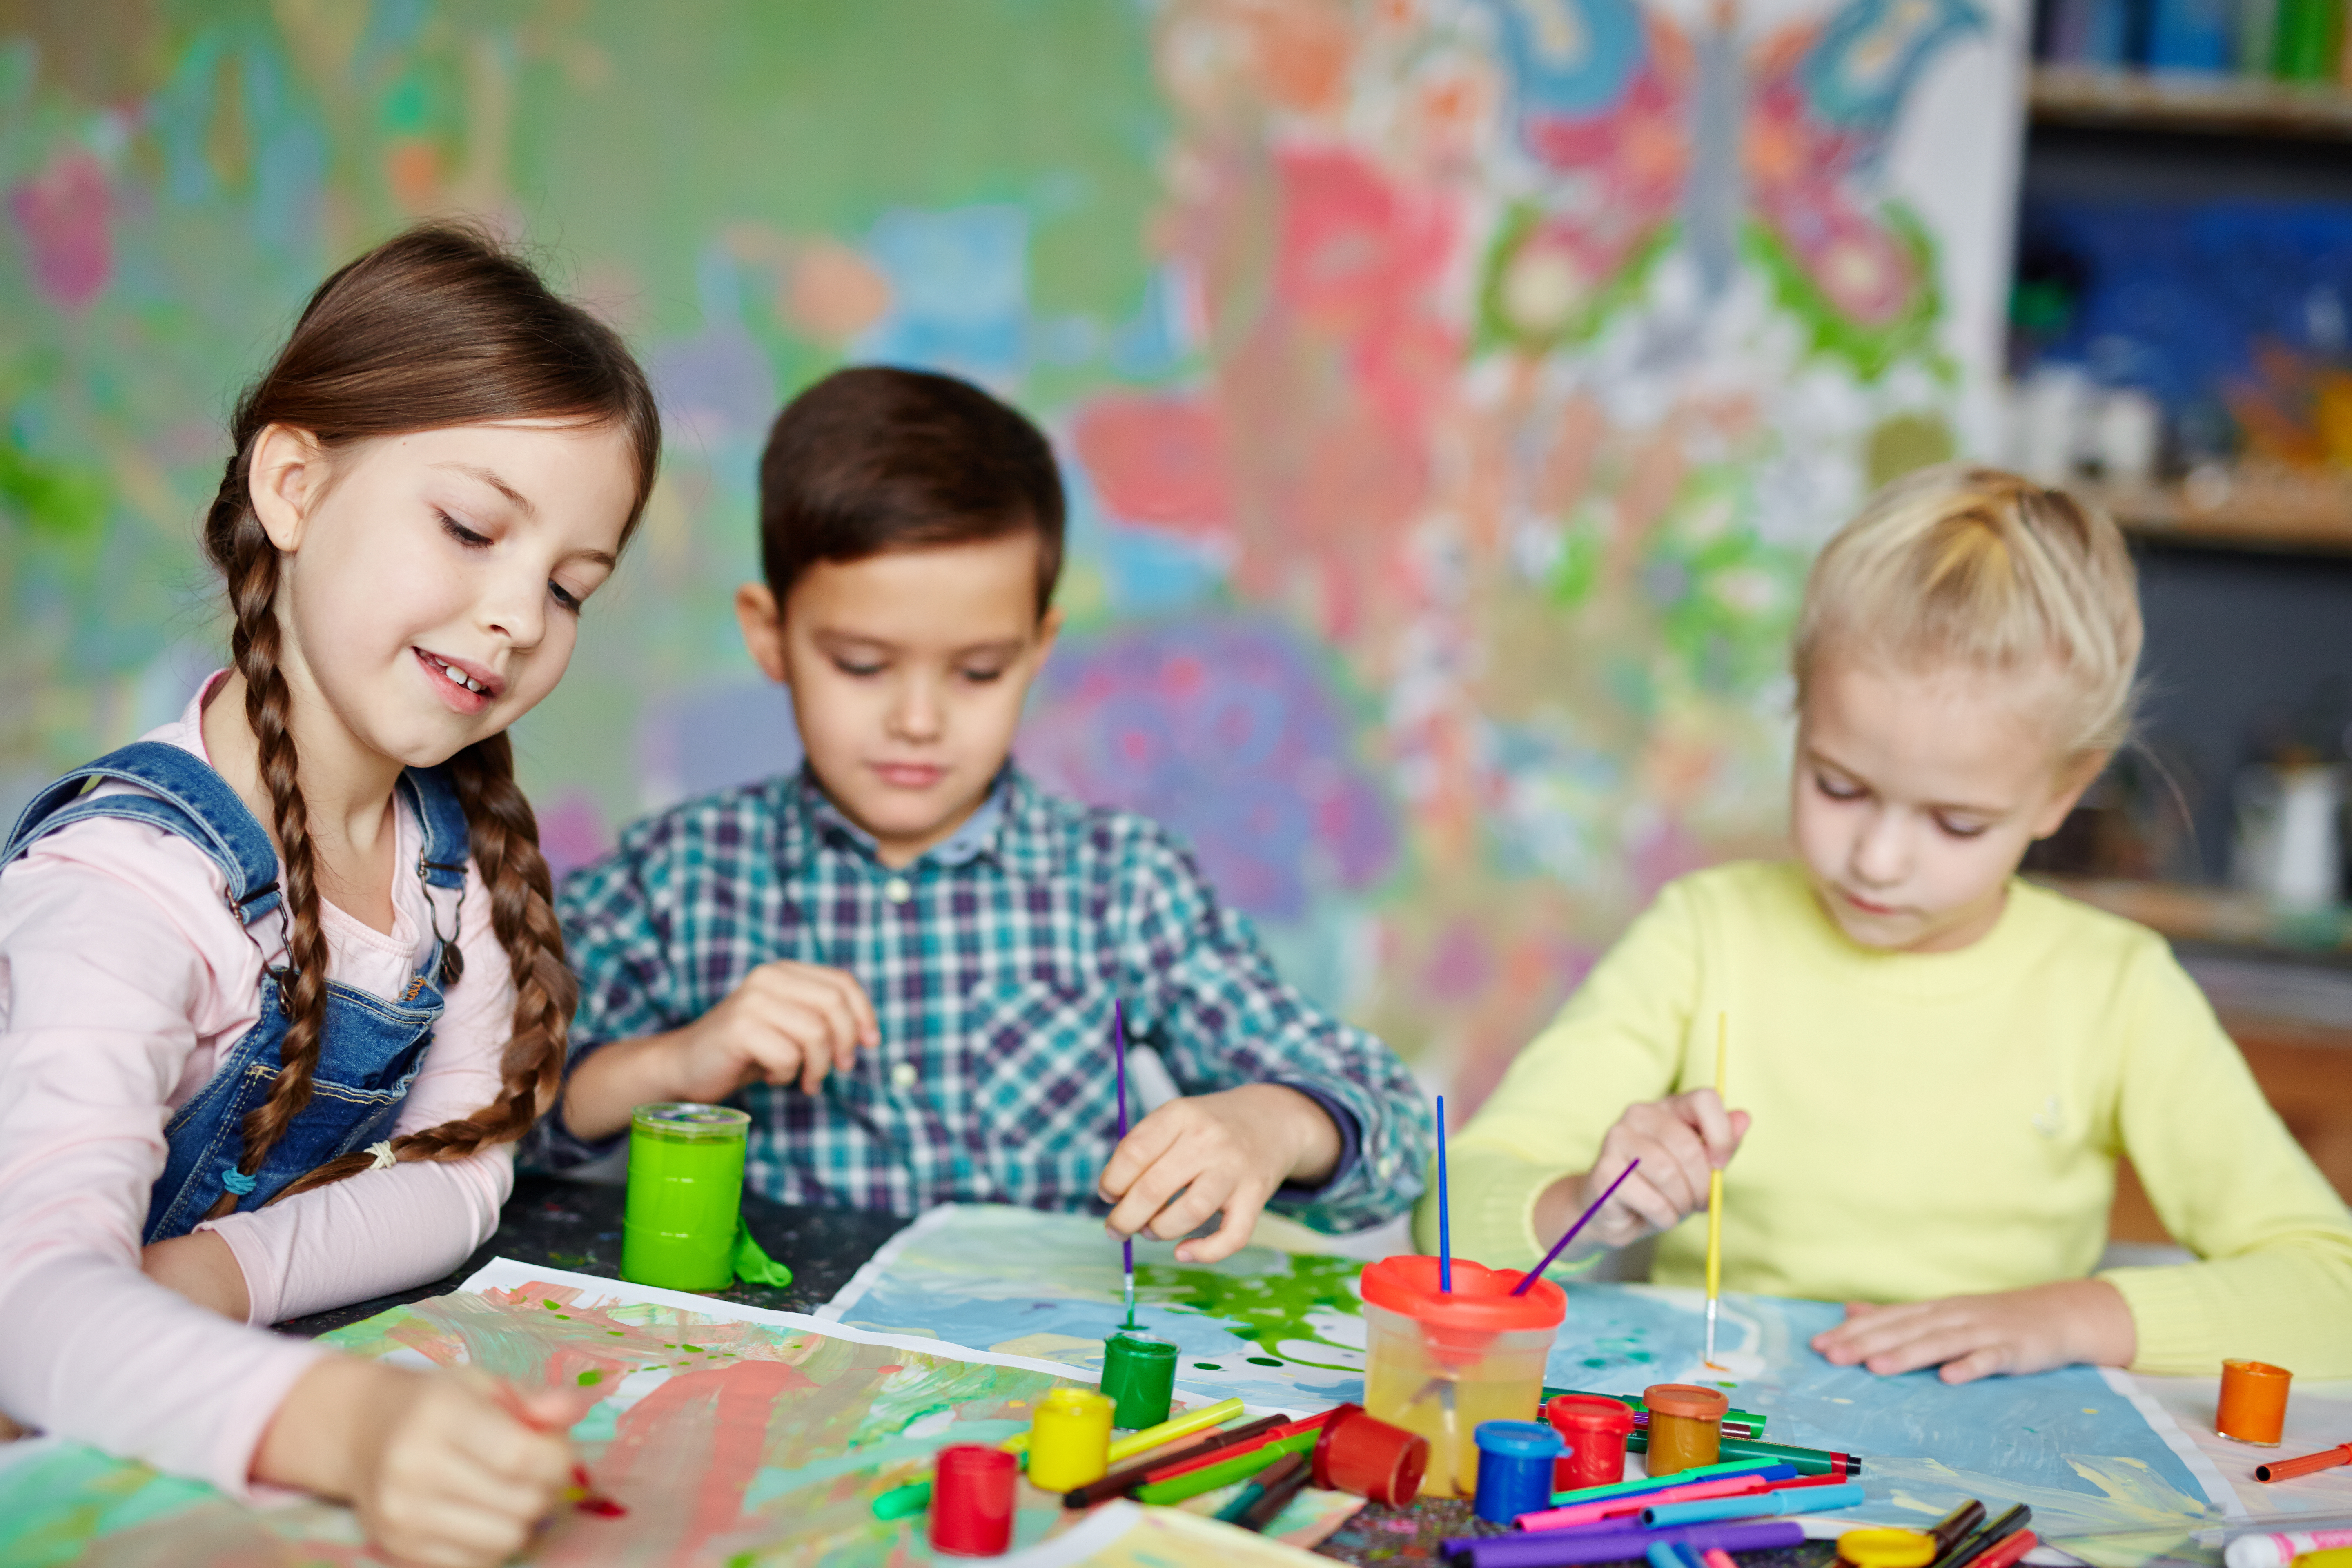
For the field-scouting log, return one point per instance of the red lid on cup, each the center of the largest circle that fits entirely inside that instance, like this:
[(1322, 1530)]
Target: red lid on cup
[(1593, 1413), (1481, 1299)]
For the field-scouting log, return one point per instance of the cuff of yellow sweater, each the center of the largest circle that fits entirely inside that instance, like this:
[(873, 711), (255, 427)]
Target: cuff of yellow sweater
[(2179, 1315)]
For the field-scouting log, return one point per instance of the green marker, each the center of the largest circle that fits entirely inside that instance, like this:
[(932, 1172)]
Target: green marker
[(1680, 1478), (1240, 1467), (1808, 1461), (686, 1196)]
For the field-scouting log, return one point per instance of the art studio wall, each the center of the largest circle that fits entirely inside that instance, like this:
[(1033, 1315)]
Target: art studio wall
[(1450, 393)]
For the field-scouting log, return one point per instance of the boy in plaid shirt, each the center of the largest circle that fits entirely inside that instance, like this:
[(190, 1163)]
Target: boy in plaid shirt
[(901, 960)]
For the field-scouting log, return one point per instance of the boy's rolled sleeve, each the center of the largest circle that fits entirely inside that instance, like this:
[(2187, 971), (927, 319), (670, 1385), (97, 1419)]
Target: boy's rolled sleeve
[(1209, 999), (616, 940)]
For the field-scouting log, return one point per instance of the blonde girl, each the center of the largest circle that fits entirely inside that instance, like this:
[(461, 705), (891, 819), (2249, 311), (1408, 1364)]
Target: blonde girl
[(280, 984), (1938, 1064)]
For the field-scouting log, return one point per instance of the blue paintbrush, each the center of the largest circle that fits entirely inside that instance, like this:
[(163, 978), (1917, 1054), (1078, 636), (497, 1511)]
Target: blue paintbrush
[(1444, 1210)]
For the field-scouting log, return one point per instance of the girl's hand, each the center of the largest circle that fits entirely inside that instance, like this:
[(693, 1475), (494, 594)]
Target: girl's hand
[(1679, 1140), (1970, 1337), (1204, 1152), (445, 1469), (785, 1021)]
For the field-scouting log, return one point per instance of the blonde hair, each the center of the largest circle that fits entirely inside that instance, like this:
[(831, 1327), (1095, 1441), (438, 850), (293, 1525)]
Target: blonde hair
[(1960, 565)]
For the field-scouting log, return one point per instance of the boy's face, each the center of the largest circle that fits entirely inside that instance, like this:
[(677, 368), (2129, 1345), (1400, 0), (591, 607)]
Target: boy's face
[(1915, 796), (907, 671)]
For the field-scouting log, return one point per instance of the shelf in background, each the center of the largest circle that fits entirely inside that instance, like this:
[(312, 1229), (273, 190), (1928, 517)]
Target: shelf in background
[(2223, 917), (2188, 102), (2242, 511)]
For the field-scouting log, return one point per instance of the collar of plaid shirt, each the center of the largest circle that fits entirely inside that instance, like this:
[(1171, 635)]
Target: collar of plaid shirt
[(980, 833)]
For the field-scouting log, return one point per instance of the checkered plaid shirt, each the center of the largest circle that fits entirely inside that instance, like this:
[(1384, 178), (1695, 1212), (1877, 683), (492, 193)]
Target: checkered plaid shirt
[(992, 962)]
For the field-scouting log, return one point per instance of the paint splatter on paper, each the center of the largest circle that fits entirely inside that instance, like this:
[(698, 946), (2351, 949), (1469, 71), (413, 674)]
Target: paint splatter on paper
[(1287, 1331), (727, 1436)]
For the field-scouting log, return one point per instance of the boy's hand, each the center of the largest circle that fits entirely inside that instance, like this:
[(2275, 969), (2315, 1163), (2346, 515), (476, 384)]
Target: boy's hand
[(1970, 1337), (1226, 1150), (444, 1469), (1679, 1140), (786, 1021)]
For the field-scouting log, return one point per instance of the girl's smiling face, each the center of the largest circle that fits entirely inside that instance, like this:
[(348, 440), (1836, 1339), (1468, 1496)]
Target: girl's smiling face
[(1914, 795), (430, 583)]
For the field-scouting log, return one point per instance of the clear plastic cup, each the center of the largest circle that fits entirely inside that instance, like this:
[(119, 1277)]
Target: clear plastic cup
[(1441, 1363)]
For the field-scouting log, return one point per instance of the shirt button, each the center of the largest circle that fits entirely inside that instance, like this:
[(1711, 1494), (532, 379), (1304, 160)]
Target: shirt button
[(898, 890), (903, 1075)]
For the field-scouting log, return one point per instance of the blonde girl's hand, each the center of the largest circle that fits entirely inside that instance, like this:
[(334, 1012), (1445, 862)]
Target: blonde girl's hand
[(2007, 1331), (445, 1469), (1680, 1140), (786, 1022)]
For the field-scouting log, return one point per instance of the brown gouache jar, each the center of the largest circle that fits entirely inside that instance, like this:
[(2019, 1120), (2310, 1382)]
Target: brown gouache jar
[(1686, 1425)]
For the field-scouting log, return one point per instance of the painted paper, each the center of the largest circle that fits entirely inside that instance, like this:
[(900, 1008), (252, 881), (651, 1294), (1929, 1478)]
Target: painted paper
[(2105, 1470), (731, 1435)]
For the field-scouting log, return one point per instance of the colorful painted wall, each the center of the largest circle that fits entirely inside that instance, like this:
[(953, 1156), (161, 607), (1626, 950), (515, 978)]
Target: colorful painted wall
[(1450, 391)]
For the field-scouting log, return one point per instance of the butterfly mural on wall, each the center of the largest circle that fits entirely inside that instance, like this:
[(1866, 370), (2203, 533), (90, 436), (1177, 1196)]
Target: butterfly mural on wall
[(1644, 136)]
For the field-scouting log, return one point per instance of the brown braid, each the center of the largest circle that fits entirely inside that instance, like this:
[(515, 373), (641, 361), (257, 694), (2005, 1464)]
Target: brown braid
[(505, 837), (438, 327)]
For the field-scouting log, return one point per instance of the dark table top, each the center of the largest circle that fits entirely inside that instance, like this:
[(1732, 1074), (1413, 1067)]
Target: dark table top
[(577, 1226)]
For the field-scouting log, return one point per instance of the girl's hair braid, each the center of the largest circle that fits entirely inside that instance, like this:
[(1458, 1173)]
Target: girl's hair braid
[(440, 326)]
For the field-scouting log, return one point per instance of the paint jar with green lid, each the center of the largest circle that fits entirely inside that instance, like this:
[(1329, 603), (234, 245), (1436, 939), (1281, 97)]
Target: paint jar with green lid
[(686, 1196), (1140, 1376)]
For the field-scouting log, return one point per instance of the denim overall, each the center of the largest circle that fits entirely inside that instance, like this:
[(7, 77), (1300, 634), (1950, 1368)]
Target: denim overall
[(370, 1048)]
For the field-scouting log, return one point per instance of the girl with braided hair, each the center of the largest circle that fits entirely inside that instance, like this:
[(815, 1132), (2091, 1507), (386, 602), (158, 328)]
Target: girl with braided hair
[(280, 984)]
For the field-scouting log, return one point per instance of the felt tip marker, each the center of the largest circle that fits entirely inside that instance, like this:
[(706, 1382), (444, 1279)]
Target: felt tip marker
[(1610, 1508), (1811, 1500), (1680, 1478), (1984, 1539), (2287, 1469), (2010, 1551), (1948, 1530)]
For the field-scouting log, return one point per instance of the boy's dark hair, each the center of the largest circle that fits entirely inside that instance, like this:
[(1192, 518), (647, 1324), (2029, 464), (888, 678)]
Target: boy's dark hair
[(877, 458)]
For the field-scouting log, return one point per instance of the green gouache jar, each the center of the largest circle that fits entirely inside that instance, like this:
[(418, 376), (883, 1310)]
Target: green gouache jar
[(1140, 1376), (686, 1196)]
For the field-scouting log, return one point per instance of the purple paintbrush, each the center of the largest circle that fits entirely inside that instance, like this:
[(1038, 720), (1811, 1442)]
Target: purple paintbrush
[(1119, 1052), (1558, 1246)]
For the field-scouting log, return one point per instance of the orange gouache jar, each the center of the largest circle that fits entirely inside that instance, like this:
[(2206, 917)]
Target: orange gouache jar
[(2253, 1407), (1686, 1425)]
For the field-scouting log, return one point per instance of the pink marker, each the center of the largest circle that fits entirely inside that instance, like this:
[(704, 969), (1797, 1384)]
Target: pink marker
[(1716, 1557), (1615, 1507)]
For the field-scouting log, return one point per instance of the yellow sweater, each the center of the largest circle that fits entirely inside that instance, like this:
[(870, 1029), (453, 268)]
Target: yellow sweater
[(1932, 1124)]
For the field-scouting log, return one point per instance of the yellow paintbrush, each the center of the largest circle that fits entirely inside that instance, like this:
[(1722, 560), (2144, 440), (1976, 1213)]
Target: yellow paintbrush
[(1715, 1201)]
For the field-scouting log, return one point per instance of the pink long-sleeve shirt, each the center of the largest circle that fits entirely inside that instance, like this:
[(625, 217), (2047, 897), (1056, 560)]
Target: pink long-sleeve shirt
[(123, 983)]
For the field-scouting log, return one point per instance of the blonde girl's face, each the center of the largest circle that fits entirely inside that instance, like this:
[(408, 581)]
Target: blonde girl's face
[(1915, 796), (430, 584)]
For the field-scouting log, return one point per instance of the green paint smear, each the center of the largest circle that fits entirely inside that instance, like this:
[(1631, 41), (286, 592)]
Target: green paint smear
[(1869, 350), (52, 499), (591, 1378), (53, 1507), (1267, 1310), (1495, 329)]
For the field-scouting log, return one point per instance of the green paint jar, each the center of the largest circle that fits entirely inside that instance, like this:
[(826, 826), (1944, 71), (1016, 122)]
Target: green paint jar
[(686, 1196), (1140, 1376)]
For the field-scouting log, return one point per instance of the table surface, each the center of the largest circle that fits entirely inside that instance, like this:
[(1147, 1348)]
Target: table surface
[(577, 1226)]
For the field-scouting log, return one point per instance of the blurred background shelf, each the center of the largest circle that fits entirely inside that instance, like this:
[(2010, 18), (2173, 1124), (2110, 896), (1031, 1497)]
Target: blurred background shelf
[(2220, 918), (2187, 102), (2237, 512)]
